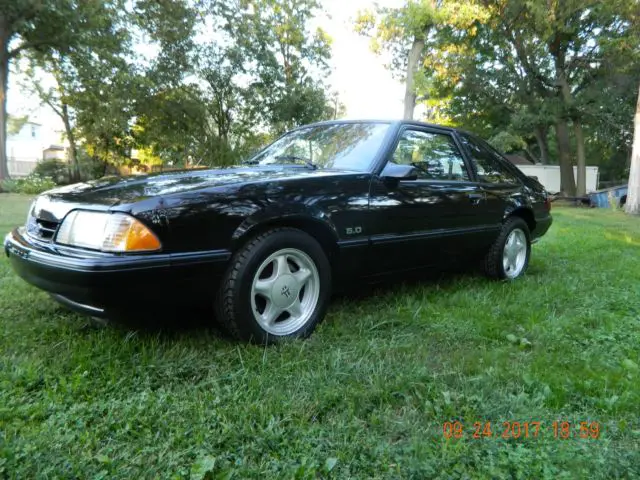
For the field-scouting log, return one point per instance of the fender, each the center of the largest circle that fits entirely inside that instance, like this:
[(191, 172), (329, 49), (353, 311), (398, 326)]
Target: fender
[(522, 206), (284, 215), (516, 203)]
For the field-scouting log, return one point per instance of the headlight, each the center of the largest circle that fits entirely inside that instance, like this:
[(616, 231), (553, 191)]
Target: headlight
[(108, 232)]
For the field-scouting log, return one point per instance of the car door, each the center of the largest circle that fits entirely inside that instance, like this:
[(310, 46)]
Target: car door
[(429, 218)]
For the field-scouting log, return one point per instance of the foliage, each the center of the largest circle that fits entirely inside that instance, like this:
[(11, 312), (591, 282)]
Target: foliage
[(286, 60), (514, 70), (91, 81), (15, 124), (395, 363), (55, 169), (190, 103), (260, 76), (34, 26), (31, 184)]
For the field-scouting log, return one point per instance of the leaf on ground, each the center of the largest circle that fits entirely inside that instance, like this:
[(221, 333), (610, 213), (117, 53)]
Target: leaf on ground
[(202, 467), (630, 365), (330, 463), (525, 343)]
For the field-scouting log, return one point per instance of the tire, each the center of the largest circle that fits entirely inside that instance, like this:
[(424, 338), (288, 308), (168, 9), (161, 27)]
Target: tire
[(501, 266), (277, 287)]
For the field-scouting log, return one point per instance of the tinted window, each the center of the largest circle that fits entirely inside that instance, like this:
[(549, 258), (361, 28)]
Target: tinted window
[(347, 146), (434, 155), (489, 166)]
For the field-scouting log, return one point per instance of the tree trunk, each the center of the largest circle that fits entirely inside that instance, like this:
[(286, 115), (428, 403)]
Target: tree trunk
[(633, 194), (106, 157), (4, 85), (567, 182), (581, 182), (541, 138), (73, 151), (412, 65)]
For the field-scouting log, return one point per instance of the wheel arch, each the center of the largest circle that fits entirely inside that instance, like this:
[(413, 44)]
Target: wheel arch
[(525, 213), (316, 225)]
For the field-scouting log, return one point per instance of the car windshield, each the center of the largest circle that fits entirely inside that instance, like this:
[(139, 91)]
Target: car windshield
[(343, 146)]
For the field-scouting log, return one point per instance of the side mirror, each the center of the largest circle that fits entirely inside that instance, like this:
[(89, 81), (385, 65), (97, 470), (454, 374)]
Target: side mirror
[(396, 172), (533, 177)]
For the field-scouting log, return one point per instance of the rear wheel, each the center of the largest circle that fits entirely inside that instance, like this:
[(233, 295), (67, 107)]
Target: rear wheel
[(276, 287), (509, 256)]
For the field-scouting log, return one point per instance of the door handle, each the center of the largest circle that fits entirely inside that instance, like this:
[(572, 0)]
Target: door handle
[(476, 198)]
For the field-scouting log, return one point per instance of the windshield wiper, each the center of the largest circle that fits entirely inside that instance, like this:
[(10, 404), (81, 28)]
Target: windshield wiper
[(296, 158)]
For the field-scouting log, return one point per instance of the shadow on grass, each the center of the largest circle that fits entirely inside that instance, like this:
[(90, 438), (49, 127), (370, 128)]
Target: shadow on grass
[(178, 321)]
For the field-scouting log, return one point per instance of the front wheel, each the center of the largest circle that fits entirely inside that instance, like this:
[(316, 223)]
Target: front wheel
[(509, 256), (277, 286)]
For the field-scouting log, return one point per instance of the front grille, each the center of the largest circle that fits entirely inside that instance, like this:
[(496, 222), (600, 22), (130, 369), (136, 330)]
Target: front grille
[(41, 229)]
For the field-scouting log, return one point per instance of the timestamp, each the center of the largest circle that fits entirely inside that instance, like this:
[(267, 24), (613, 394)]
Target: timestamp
[(558, 429)]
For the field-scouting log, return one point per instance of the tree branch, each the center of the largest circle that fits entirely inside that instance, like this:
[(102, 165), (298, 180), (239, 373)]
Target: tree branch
[(25, 46)]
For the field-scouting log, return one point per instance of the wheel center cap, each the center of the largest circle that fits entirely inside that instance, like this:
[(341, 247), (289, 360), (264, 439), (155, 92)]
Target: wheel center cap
[(285, 291)]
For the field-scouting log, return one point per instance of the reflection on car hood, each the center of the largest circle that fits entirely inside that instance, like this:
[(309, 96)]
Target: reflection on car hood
[(116, 191)]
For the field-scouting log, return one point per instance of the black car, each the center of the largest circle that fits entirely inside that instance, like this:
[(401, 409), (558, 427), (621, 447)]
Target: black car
[(266, 241)]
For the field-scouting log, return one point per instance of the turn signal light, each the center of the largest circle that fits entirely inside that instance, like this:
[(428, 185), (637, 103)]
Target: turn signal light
[(108, 232)]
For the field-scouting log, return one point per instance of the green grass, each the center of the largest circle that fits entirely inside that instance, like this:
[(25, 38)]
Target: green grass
[(365, 397)]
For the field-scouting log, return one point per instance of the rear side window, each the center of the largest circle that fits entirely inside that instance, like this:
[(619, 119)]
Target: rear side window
[(489, 166)]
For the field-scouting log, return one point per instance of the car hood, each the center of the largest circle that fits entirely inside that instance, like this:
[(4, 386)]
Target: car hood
[(114, 191)]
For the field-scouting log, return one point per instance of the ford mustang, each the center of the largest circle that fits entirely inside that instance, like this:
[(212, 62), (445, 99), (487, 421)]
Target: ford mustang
[(265, 242)]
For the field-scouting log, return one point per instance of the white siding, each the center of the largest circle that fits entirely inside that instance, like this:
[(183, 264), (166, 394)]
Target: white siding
[(549, 176), (24, 149)]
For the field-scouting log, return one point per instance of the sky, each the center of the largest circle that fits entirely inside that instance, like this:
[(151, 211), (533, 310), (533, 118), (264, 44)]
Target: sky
[(364, 85)]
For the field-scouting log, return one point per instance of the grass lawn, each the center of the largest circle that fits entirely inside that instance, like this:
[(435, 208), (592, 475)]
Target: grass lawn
[(365, 397)]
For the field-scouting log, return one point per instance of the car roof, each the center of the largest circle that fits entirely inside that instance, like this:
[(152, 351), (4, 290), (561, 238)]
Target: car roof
[(389, 121)]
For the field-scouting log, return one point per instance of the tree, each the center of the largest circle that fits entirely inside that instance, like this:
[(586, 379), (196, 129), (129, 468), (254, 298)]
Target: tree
[(407, 33), (513, 70), (28, 26), (633, 194), (100, 83), (261, 75), (84, 71), (284, 59)]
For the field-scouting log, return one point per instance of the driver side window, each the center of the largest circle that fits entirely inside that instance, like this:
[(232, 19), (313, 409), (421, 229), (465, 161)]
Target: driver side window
[(434, 155)]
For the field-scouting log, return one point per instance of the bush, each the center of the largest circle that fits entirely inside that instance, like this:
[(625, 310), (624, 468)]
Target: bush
[(9, 186), (54, 169), (33, 184)]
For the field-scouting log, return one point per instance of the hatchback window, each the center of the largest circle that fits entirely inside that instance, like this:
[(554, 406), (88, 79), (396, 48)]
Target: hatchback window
[(488, 165), (434, 155)]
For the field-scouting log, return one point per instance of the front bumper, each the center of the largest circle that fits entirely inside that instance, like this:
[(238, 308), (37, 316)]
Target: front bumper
[(93, 282)]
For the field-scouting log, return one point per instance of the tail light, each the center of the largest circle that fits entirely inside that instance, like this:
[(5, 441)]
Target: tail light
[(547, 203)]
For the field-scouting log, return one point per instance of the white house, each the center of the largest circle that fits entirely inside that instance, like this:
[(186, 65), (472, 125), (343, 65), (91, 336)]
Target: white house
[(24, 149)]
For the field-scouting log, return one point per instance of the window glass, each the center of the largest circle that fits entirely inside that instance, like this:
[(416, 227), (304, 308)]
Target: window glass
[(488, 165), (434, 155), (344, 146)]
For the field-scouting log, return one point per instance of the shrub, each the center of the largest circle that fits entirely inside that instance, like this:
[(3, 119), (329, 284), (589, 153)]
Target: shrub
[(54, 169), (9, 186), (33, 184)]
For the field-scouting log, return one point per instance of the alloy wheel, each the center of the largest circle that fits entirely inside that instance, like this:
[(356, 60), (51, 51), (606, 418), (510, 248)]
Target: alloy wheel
[(514, 255), (285, 291)]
